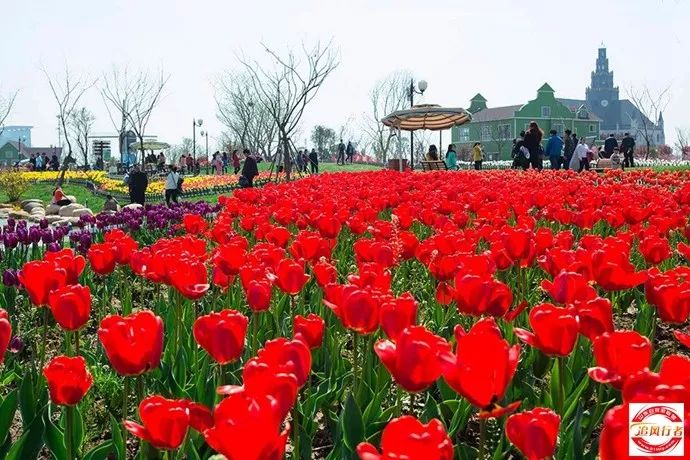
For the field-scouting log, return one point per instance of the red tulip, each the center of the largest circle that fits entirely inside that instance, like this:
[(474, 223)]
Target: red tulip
[(555, 330), (190, 278), (259, 295), (479, 295), (290, 277), (569, 287), (655, 249), (682, 337), (534, 432), (247, 427), (619, 355), (414, 358), (221, 335), (356, 308), (285, 356), (230, 258), (594, 317), (39, 278), (483, 366), (71, 306), (102, 257), (194, 224), (68, 379), (132, 343), (670, 293), (408, 438), (329, 227), (125, 245), (278, 236), (613, 271), (309, 329), (397, 314), (5, 333), (165, 422), (325, 273), (73, 265), (139, 261)]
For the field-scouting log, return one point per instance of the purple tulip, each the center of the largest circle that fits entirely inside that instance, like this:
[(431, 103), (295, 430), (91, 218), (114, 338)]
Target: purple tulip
[(16, 344), (34, 234), (10, 240), (9, 278), (43, 223)]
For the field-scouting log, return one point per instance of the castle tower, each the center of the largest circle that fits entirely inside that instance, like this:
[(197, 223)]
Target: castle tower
[(602, 97)]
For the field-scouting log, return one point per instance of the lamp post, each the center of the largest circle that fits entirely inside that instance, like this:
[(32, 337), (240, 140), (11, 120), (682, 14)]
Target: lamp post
[(411, 91), (205, 134), (195, 123)]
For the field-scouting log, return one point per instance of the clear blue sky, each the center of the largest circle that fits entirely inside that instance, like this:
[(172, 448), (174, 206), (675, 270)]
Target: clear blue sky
[(503, 48)]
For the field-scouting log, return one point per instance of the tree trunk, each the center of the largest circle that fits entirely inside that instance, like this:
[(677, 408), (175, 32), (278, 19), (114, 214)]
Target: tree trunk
[(287, 165)]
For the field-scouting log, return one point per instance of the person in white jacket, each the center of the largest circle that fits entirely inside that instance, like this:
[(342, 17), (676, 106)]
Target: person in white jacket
[(579, 160)]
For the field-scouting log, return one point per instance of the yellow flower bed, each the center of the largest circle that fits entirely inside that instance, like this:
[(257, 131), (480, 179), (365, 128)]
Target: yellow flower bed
[(96, 177)]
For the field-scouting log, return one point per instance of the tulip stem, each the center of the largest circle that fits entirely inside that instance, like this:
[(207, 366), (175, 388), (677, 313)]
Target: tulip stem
[(295, 439), (355, 370), (45, 339), (398, 400), (561, 386), (125, 392), (482, 438), (255, 332), (69, 436), (76, 342), (143, 446)]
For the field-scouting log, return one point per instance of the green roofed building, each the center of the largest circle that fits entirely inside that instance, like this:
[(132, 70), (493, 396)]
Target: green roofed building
[(496, 127)]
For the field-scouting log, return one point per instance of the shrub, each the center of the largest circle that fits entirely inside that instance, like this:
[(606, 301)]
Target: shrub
[(13, 183)]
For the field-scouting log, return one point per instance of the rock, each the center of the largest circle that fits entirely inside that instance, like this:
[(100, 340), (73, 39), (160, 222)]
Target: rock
[(28, 207), (34, 200), (35, 219), (54, 219), (68, 210), (72, 220), (6, 206), (133, 206), (81, 212), (38, 212), (18, 214), (71, 198), (53, 210)]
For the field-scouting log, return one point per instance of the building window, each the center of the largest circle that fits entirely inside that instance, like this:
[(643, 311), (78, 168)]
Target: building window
[(558, 127), (546, 112), (504, 132), (486, 133), (464, 135), (592, 129)]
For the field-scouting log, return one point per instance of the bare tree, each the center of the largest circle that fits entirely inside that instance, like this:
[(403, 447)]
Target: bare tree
[(134, 96), (185, 148), (240, 111), (116, 85), (6, 105), (500, 136), (287, 87), (387, 96), (650, 105), (80, 124), (67, 92), (683, 143)]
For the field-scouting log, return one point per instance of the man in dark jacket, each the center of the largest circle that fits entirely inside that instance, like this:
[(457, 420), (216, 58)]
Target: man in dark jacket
[(138, 181), (249, 170), (628, 149), (350, 151), (341, 153), (568, 148), (610, 145), (314, 161)]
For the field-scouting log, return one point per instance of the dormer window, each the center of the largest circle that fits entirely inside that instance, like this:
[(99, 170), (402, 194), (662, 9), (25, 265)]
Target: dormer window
[(546, 112)]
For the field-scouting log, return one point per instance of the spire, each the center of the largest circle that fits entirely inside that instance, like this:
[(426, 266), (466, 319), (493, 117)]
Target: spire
[(660, 122), (477, 103)]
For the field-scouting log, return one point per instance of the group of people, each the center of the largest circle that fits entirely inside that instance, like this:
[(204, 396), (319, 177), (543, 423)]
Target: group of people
[(221, 161), (41, 162), (569, 151), (158, 160), (306, 160), (345, 153)]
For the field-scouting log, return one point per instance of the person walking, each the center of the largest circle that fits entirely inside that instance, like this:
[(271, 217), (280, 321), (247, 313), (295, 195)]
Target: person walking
[(452, 157), (138, 181), (582, 154), (314, 161), (477, 155), (249, 170), (161, 162), (350, 151), (54, 162), (432, 154), (236, 163), (568, 149), (533, 138), (173, 185), (610, 144), (39, 163), (226, 162), (341, 153), (628, 149), (554, 147), (190, 164)]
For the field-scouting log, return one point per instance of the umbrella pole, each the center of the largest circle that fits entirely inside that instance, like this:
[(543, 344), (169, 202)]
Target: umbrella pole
[(400, 152)]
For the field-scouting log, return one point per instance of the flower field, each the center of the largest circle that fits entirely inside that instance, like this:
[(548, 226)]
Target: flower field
[(376, 315)]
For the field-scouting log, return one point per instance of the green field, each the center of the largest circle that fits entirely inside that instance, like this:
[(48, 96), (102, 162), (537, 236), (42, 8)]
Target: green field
[(44, 191)]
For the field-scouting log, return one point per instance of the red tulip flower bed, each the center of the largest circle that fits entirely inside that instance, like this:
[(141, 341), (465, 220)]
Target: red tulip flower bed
[(377, 315)]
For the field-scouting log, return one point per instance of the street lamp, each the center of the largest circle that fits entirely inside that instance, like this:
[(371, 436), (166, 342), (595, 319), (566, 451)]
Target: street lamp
[(411, 91), (205, 134), (195, 123)]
